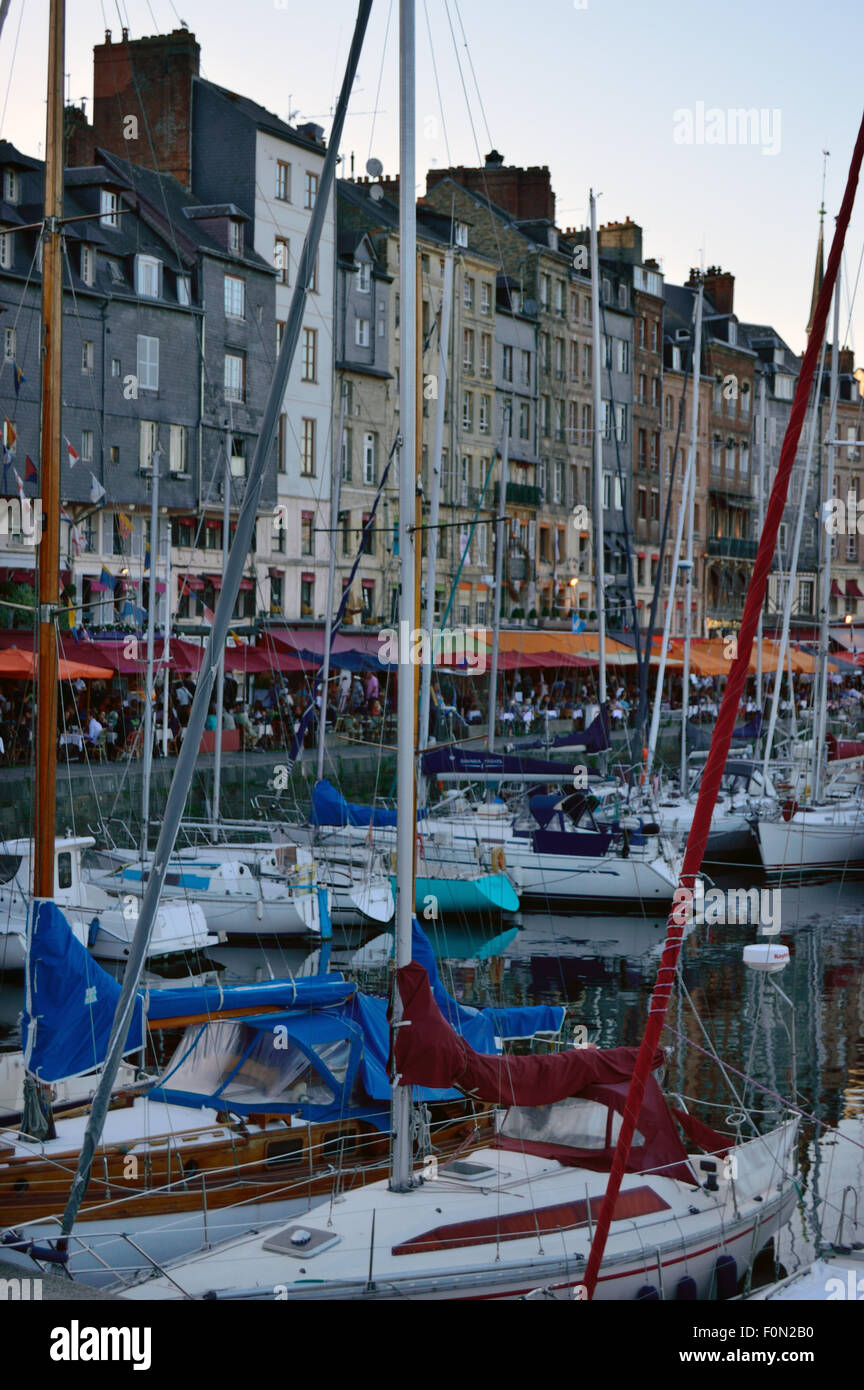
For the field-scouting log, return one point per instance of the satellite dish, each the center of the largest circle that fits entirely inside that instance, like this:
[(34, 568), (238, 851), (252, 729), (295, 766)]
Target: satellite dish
[(375, 168), (376, 192)]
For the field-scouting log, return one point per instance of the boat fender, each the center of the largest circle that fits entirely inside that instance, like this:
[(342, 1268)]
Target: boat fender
[(788, 809), (259, 910), (93, 932), (649, 1293), (498, 859), (686, 1289), (726, 1277)]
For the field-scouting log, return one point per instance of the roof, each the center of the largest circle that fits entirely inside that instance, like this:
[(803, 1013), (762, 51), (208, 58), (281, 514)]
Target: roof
[(217, 210), (261, 117), (10, 154)]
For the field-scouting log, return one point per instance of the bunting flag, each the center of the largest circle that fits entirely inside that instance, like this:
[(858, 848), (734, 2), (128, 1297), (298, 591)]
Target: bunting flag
[(125, 525), (10, 435), (577, 624), (97, 491), (72, 453), (31, 473), (147, 556), (19, 486), (131, 610), (209, 615), (108, 580), (18, 378)]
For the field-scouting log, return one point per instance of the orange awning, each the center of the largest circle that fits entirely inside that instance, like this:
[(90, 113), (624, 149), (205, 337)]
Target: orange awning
[(18, 665)]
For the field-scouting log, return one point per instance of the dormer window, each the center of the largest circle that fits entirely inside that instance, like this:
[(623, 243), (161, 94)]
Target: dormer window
[(184, 290), (364, 277), (88, 265), (461, 233), (148, 277), (235, 236), (11, 186), (109, 209), (5, 250)]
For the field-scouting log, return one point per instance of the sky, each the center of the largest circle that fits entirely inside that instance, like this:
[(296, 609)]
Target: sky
[(630, 98)]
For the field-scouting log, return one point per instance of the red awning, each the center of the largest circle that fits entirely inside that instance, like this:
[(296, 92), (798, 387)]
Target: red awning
[(214, 579), (247, 583), (852, 590), (836, 591), (190, 582), (274, 573)]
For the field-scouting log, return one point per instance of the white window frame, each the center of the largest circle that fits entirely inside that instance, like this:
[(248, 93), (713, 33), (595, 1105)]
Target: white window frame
[(369, 462), (364, 277), (362, 332), (177, 450), (148, 443), (184, 290), (88, 356), (147, 364), (109, 208), (148, 277), (87, 446), (283, 165), (10, 344), (233, 391), (88, 265), (234, 294)]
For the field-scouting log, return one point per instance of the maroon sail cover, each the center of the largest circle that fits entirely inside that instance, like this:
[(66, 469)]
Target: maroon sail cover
[(839, 748), (430, 1053)]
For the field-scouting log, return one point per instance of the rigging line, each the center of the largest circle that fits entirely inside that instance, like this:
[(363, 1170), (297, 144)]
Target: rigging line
[(12, 63), (380, 78), (437, 84), (473, 73)]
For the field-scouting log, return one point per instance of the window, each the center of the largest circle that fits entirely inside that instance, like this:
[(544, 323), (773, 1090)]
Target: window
[(277, 595), (10, 344), (655, 505), (109, 209), (485, 297), (184, 290), (10, 185), (148, 443), (468, 293), (88, 356), (558, 481), (283, 181), (559, 297), (148, 363), (461, 233), (177, 449), (361, 332), (586, 424), (87, 446), (235, 297), (235, 236), (281, 453), (307, 595), (114, 454), (468, 348), (607, 489), (237, 460), (485, 354), (526, 367), (364, 277), (507, 363), (282, 259), (574, 361), (280, 333), (623, 354), (182, 531), (545, 415), (235, 376), (148, 276), (212, 535), (369, 471), (346, 456), (545, 360), (621, 423), (5, 250), (88, 267), (559, 358), (619, 496), (545, 287), (307, 449), (310, 189), (345, 528), (524, 420), (586, 362), (115, 366), (484, 415), (468, 410), (310, 354), (307, 520)]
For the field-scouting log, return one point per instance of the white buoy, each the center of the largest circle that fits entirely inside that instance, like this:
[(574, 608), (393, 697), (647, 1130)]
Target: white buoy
[(766, 957)]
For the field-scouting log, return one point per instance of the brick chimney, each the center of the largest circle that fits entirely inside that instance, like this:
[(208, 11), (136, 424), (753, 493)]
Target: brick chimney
[(525, 193), (720, 285), (142, 99), (621, 241)]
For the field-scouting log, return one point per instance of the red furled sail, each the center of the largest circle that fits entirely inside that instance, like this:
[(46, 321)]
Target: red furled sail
[(839, 748), (719, 751)]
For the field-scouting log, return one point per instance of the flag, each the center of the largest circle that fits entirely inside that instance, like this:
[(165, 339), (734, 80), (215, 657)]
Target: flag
[(18, 378), (577, 624), (107, 580), (209, 615), (73, 453), (10, 435), (97, 491), (131, 610), (125, 525), (147, 556), (18, 484), (31, 474)]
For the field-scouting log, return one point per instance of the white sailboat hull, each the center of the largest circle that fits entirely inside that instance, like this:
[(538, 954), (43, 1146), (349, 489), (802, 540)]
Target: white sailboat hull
[(821, 839)]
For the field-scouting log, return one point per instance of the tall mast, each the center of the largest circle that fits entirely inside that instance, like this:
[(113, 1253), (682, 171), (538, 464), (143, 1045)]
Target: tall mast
[(400, 1177), (599, 541), (501, 524), (760, 493), (147, 756), (187, 758), (435, 496), (827, 541), (335, 488), (690, 498), (166, 646), (49, 545), (215, 810)]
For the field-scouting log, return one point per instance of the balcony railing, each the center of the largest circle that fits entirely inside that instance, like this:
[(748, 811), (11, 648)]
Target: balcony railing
[(732, 547), (521, 493)]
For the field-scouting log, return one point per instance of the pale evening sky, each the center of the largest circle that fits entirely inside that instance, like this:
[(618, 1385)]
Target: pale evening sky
[(593, 92)]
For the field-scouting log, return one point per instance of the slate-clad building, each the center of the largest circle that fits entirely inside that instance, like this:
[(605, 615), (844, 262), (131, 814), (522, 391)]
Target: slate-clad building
[(143, 264)]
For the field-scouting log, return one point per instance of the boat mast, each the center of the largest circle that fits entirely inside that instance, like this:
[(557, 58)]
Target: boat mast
[(49, 545), (819, 731), (147, 757), (435, 499), (689, 500), (401, 1164), (762, 427), (599, 541), (501, 526), (335, 489), (220, 674), (166, 646), (243, 537)]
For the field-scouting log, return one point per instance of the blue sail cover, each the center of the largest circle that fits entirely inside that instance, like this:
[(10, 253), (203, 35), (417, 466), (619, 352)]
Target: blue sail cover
[(69, 1001), (329, 807), (184, 1000), (449, 759), (594, 739)]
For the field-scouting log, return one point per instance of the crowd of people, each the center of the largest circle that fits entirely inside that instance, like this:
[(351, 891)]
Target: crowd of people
[(105, 719)]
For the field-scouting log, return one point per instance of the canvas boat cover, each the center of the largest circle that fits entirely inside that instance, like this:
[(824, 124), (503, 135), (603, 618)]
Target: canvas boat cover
[(448, 759)]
